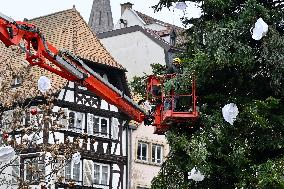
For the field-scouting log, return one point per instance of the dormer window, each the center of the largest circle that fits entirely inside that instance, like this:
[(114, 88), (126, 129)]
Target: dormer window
[(17, 81)]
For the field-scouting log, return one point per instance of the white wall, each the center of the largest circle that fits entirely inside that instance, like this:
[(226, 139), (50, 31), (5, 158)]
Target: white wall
[(143, 173), (135, 51), (131, 18)]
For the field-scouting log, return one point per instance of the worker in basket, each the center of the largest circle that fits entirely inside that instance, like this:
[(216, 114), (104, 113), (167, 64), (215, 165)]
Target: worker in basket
[(175, 67), (180, 103)]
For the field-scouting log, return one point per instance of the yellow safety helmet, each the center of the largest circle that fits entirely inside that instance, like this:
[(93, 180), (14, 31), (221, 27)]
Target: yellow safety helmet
[(176, 61)]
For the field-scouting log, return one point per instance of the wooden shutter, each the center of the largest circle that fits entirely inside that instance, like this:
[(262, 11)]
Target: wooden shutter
[(65, 118), (90, 124), (88, 173), (115, 128), (79, 121)]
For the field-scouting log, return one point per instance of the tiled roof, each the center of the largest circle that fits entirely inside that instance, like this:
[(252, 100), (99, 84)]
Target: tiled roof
[(150, 20), (156, 34), (65, 29)]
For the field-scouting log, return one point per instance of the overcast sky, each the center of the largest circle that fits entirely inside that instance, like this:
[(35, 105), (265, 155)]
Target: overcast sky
[(20, 9)]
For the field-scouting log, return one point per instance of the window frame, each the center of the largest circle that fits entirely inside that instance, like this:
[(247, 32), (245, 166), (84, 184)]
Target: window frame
[(93, 126), (71, 164), (75, 127), (34, 177), (140, 158), (101, 174), (156, 146)]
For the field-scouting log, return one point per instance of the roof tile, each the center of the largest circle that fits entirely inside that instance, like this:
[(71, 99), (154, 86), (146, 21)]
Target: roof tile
[(65, 29)]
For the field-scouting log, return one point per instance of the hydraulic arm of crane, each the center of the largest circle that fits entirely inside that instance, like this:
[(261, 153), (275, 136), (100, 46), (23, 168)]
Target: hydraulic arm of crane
[(29, 38)]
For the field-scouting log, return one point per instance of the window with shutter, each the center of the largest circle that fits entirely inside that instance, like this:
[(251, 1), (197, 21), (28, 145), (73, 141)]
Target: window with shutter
[(88, 170), (98, 126)]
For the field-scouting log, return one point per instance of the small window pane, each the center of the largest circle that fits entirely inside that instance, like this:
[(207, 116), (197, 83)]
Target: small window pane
[(153, 153), (104, 175), (68, 171), (159, 152), (139, 151), (71, 119), (96, 125), (76, 172), (144, 152), (96, 174), (104, 126), (79, 122)]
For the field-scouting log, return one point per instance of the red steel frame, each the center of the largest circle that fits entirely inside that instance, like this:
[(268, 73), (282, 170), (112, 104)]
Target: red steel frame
[(163, 119)]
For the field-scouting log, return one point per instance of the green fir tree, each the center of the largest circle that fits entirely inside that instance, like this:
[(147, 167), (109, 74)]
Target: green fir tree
[(231, 67)]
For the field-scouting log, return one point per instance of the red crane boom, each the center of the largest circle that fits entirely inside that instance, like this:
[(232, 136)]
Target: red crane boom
[(29, 38)]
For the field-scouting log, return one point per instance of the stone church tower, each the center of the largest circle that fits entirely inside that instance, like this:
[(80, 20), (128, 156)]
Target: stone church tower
[(101, 16)]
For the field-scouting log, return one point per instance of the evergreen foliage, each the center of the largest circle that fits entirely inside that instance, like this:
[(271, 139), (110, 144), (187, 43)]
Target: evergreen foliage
[(232, 67)]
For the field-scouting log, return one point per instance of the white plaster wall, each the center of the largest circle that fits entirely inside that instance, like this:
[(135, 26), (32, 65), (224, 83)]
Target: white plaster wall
[(141, 173), (135, 51), (132, 19)]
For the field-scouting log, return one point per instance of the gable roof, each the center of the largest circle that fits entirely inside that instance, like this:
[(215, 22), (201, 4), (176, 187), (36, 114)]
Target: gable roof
[(65, 29), (179, 31)]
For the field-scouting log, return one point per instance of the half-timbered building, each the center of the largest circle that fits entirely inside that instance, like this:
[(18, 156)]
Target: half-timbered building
[(103, 162)]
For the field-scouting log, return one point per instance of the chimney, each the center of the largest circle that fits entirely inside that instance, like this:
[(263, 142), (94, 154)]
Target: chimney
[(125, 6)]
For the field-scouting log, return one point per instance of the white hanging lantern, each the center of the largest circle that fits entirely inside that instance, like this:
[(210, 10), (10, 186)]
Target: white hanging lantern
[(230, 112), (76, 158), (6, 153), (44, 84), (260, 29), (195, 175), (181, 6)]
